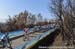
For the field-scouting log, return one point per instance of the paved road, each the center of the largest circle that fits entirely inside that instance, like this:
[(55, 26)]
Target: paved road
[(20, 41)]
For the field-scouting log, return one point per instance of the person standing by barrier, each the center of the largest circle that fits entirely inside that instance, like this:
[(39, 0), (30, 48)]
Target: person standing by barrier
[(26, 36), (3, 40), (8, 41)]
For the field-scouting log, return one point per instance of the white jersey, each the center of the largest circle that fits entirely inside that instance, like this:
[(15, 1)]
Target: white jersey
[(3, 36)]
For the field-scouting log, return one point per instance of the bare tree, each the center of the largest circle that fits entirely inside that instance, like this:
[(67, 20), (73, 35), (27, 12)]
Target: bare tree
[(70, 22), (57, 7), (65, 13), (39, 17)]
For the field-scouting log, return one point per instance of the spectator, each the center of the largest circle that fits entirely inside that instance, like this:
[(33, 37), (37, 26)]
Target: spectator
[(8, 41), (3, 39)]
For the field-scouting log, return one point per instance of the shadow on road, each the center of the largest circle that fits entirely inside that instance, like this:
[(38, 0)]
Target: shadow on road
[(47, 41)]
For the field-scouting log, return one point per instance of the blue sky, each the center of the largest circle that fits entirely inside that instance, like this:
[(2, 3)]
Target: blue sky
[(13, 7)]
